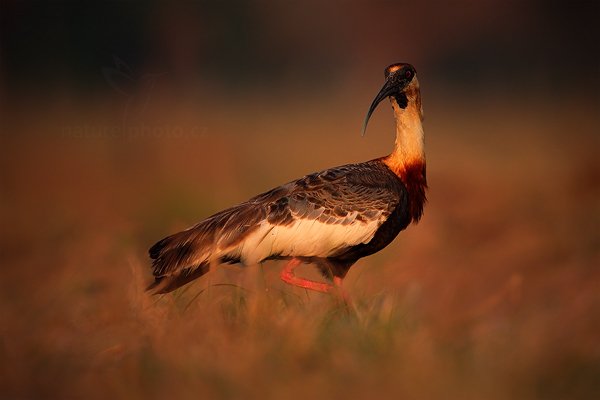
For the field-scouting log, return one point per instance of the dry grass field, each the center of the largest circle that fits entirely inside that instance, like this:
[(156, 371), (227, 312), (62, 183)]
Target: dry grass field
[(494, 295)]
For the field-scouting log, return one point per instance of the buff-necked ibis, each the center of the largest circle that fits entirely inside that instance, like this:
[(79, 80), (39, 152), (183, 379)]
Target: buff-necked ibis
[(330, 218)]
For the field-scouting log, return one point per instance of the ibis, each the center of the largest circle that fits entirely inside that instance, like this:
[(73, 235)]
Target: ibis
[(329, 219)]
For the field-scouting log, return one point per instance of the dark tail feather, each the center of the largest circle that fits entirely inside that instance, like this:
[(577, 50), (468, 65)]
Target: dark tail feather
[(166, 284), (184, 256), (155, 250), (173, 264)]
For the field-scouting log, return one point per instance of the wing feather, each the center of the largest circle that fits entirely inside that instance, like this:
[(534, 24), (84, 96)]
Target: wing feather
[(324, 212)]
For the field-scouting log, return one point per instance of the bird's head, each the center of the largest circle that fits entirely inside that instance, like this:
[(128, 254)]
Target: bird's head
[(401, 85)]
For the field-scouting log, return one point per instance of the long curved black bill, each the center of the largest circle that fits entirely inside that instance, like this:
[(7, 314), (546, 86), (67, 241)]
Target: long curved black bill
[(387, 90)]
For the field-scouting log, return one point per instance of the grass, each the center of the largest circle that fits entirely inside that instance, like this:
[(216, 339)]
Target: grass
[(494, 295)]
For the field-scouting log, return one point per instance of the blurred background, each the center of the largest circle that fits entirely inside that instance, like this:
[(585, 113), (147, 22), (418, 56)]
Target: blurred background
[(122, 122)]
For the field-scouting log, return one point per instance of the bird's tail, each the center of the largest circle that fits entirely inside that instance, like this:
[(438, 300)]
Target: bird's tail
[(187, 255), (173, 264)]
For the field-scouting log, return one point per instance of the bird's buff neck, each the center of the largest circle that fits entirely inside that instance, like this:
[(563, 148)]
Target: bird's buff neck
[(409, 149), (407, 160)]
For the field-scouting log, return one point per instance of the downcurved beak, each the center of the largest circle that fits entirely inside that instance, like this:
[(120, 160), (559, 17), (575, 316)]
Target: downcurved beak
[(390, 88)]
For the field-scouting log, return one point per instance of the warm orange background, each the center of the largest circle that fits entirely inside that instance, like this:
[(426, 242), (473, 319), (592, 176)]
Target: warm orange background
[(124, 122)]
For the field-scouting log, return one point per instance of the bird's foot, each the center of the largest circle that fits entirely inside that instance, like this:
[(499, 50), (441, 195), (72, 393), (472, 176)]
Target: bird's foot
[(287, 275)]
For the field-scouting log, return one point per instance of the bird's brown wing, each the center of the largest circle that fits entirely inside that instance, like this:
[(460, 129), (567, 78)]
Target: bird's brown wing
[(327, 211), (367, 190)]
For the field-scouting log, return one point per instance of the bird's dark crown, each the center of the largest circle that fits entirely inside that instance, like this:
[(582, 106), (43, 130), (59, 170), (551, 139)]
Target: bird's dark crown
[(400, 70)]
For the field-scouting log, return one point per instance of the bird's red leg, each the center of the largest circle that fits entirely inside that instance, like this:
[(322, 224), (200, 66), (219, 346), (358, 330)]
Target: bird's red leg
[(337, 284), (287, 275)]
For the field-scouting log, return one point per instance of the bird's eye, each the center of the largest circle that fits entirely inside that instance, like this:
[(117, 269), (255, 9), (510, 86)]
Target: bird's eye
[(408, 73)]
